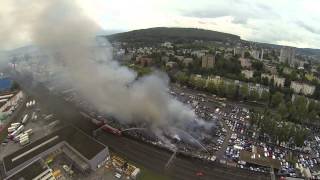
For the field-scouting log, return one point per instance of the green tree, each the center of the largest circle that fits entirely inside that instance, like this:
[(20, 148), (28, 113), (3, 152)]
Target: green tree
[(211, 87), (221, 89), (254, 95), (198, 83), (244, 91), (265, 95), (276, 99), (182, 77), (231, 90), (282, 110)]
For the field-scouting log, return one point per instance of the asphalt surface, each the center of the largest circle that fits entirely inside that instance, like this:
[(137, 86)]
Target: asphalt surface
[(181, 168)]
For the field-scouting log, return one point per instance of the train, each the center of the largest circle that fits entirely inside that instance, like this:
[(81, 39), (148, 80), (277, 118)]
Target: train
[(112, 130), (103, 125)]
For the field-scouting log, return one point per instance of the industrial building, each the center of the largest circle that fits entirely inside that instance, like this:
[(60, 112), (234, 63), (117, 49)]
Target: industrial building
[(86, 153)]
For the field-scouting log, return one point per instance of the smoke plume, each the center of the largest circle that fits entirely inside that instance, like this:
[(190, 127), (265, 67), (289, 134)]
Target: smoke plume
[(62, 30)]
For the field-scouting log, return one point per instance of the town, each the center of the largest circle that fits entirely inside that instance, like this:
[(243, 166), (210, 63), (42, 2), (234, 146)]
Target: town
[(259, 105)]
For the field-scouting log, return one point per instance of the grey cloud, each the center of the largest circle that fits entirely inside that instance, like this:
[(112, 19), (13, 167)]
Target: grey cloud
[(308, 27), (240, 10)]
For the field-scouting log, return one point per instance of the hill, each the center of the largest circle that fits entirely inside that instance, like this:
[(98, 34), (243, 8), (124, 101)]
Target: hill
[(161, 34)]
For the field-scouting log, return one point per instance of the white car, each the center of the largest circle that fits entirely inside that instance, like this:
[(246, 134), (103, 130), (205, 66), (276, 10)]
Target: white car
[(117, 175)]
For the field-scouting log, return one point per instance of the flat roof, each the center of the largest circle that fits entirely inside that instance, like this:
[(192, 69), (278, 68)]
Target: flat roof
[(30, 172), (84, 144), (262, 161)]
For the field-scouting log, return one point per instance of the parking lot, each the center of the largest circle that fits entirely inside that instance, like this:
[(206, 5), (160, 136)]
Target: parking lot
[(36, 121)]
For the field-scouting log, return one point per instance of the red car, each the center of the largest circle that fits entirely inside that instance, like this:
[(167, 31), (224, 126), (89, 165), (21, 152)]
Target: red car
[(199, 173)]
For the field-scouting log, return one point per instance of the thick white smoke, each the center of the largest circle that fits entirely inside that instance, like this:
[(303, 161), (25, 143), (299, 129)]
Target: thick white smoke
[(60, 28)]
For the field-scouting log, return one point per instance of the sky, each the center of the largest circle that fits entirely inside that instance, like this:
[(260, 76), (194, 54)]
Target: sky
[(284, 22)]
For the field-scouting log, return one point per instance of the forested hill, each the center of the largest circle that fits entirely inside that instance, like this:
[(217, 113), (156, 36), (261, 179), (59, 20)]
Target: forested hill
[(161, 34)]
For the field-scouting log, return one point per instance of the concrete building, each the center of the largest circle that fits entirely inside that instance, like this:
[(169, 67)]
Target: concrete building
[(277, 81), (208, 61), (247, 73), (187, 61), (171, 64), (167, 45), (303, 88), (180, 58), (245, 63), (238, 51), (165, 59), (255, 54), (287, 55), (85, 152), (199, 53), (214, 79), (144, 61), (258, 87)]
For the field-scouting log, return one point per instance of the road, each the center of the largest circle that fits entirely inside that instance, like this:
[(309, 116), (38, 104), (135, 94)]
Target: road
[(181, 168)]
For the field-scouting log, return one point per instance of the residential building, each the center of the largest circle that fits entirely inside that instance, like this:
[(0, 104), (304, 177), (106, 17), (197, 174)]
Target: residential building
[(187, 61), (214, 79), (287, 55), (245, 63), (277, 81), (258, 87), (247, 73), (255, 54), (199, 53), (165, 59), (303, 88), (180, 58), (271, 68), (171, 64), (167, 45), (208, 61), (238, 51), (144, 61)]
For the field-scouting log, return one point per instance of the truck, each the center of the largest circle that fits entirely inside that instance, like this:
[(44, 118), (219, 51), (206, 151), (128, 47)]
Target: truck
[(24, 119), (15, 125), (11, 129), (29, 132), (24, 141), (48, 117), (17, 137), (16, 132)]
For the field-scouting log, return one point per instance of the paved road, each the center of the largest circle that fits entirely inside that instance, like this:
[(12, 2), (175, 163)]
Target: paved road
[(150, 157), (225, 143)]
